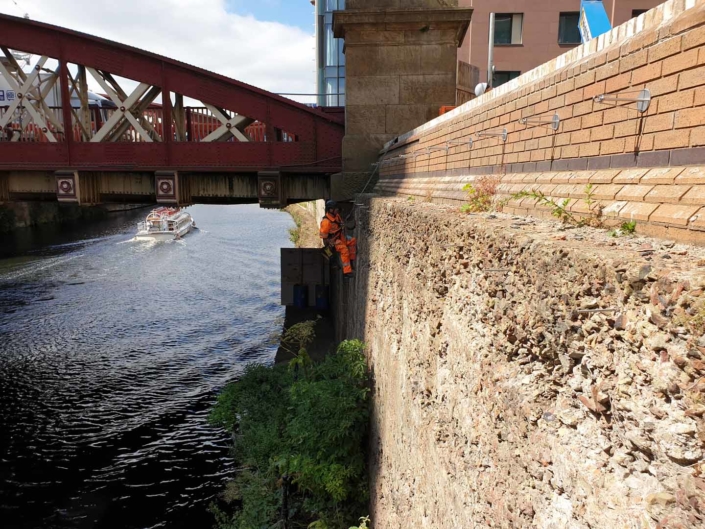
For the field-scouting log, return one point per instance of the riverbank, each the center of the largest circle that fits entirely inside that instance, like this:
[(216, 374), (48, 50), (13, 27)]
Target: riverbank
[(306, 451), (18, 215), (305, 215), (305, 235)]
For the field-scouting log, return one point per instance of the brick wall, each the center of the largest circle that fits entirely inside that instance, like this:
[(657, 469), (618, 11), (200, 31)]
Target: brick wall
[(662, 50)]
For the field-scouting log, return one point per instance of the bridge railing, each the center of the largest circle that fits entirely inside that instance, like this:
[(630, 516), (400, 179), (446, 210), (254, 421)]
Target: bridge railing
[(198, 123), (21, 128)]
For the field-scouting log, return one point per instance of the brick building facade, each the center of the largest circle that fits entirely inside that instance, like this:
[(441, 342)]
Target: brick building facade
[(529, 34)]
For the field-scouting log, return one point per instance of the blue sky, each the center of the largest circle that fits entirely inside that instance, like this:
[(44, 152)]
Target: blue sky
[(265, 43), (291, 12)]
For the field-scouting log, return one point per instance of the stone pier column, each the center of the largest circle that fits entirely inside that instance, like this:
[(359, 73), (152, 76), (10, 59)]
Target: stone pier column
[(401, 64)]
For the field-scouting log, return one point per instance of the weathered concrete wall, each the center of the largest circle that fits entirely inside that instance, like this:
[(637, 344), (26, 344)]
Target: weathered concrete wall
[(526, 375)]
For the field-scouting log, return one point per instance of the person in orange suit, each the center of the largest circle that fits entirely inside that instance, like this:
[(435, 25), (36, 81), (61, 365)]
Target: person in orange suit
[(333, 235)]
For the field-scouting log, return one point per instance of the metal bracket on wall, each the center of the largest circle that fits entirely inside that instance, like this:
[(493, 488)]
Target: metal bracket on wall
[(643, 100), (429, 150), (494, 133), (467, 142), (555, 121), (393, 159)]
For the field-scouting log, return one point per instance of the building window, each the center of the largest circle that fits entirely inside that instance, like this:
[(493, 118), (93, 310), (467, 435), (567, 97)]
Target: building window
[(568, 32), (500, 78), (508, 28), (331, 56), (637, 12)]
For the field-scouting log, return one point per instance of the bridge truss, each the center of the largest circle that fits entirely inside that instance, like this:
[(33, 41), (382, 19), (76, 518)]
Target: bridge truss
[(48, 122)]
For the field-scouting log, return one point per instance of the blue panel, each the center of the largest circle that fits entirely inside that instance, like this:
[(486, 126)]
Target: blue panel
[(593, 19)]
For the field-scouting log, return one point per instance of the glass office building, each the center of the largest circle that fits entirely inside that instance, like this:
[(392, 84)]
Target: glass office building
[(330, 59)]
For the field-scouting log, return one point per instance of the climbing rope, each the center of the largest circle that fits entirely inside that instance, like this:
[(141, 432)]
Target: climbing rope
[(374, 172)]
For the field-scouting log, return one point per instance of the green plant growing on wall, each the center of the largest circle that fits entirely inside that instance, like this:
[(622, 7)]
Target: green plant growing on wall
[(627, 228), (560, 209), (295, 233), (363, 523), (481, 195), (299, 444)]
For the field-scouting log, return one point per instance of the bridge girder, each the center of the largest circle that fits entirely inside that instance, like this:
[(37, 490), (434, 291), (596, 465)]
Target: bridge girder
[(137, 134)]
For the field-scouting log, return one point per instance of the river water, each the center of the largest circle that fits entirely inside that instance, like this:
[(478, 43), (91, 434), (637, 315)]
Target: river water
[(111, 355)]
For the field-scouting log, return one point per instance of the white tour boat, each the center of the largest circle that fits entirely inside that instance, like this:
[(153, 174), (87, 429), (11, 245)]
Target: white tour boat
[(165, 224)]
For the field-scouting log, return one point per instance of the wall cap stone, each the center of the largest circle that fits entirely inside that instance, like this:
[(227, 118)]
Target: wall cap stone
[(402, 19)]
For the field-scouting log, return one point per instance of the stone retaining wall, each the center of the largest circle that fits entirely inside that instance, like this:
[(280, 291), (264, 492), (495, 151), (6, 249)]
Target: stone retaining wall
[(528, 375)]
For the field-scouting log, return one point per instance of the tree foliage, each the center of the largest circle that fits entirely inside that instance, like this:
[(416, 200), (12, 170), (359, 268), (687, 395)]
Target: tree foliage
[(299, 435)]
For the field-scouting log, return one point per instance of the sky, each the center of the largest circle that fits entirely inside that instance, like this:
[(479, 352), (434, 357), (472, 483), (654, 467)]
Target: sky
[(266, 43), (294, 12)]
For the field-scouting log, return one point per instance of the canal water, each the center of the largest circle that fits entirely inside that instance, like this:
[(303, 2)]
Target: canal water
[(111, 355)]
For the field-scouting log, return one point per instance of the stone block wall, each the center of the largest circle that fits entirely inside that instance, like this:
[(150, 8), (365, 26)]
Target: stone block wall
[(662, 50), (526, 376), (401, 67)]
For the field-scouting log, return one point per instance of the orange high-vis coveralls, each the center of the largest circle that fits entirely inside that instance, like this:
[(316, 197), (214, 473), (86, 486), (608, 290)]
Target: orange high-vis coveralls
[(332, 230)]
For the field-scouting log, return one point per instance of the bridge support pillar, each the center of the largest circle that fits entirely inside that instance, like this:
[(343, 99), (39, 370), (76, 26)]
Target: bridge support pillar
[(172, 188), (74, 188), (401, 68), (4, 187), (270, 189)]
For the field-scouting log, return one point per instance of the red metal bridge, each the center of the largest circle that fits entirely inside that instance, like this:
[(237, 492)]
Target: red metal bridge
[(143, 142)]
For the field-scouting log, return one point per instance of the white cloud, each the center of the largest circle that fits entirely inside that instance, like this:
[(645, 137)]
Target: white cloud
[(269, 55)]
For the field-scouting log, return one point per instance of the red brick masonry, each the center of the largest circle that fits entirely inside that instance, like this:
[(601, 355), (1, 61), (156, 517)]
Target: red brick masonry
[(638, 162)]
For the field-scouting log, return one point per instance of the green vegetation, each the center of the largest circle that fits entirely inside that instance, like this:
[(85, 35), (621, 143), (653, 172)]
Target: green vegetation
[(560, 209), (295, 341), (481, 195), (363, 523), (295, 233), (300, 434), (589, 194), (627, 228)]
